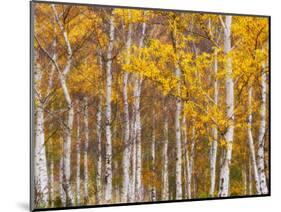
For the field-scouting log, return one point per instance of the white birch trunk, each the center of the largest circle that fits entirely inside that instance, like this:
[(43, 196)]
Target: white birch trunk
[(49, 90), (108, 145), (186, 156), (52, 180), (61, 190), (126, 157), (133, 154), (214, 144), (165, 190), (190, 159), (251, 142), (99, 158), (85, 152), (178, 141), (70, 116), (153, 189), (78, 156), (188, 175), (224, 174), (184, 153), (138, 188), (132, 186), (40, 169), (261, 138), (67, 145)]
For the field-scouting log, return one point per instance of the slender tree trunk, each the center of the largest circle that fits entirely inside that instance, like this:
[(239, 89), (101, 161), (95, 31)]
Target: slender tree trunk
[(261, 138), (244, 175), (250, 177), (224, 174), (86, 146), (138, 188), (251, 142), (165, 190), (61, 190), (70, 115), (52, 177), (41, 172), (190, 159), (40, 169), (153, 189), (187, 174), (99, 158), (186, 156), (214, 144), (178, 142), (67, 145), (108, 145), (126, 157), (133, 154), (132, 186), (49, 90), (78, 156)]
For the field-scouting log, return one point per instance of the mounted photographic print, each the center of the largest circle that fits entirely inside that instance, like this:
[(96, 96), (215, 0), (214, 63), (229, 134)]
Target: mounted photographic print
[(139, 105)]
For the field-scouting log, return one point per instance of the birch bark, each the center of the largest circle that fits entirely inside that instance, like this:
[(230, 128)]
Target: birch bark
[(40, 169), (190, 159), (86, 146), (99, 158), (251, 142), (108, 145), (126, 157), (61, 190), (52, 178), (137, 88), (186, 158), (214, 144), (261, 138), (165, 191), (49, 90), (153, 189), (78, 156), (224, 173), (67, 143), (178, 142)]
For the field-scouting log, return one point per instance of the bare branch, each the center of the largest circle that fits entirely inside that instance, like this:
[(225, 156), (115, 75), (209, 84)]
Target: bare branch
[(222, 22), (47, 54)]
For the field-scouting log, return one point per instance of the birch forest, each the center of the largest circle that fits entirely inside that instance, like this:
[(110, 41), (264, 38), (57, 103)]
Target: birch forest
[(134, 105)]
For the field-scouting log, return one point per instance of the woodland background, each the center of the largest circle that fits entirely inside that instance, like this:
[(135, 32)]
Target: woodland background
[(134, 105)]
